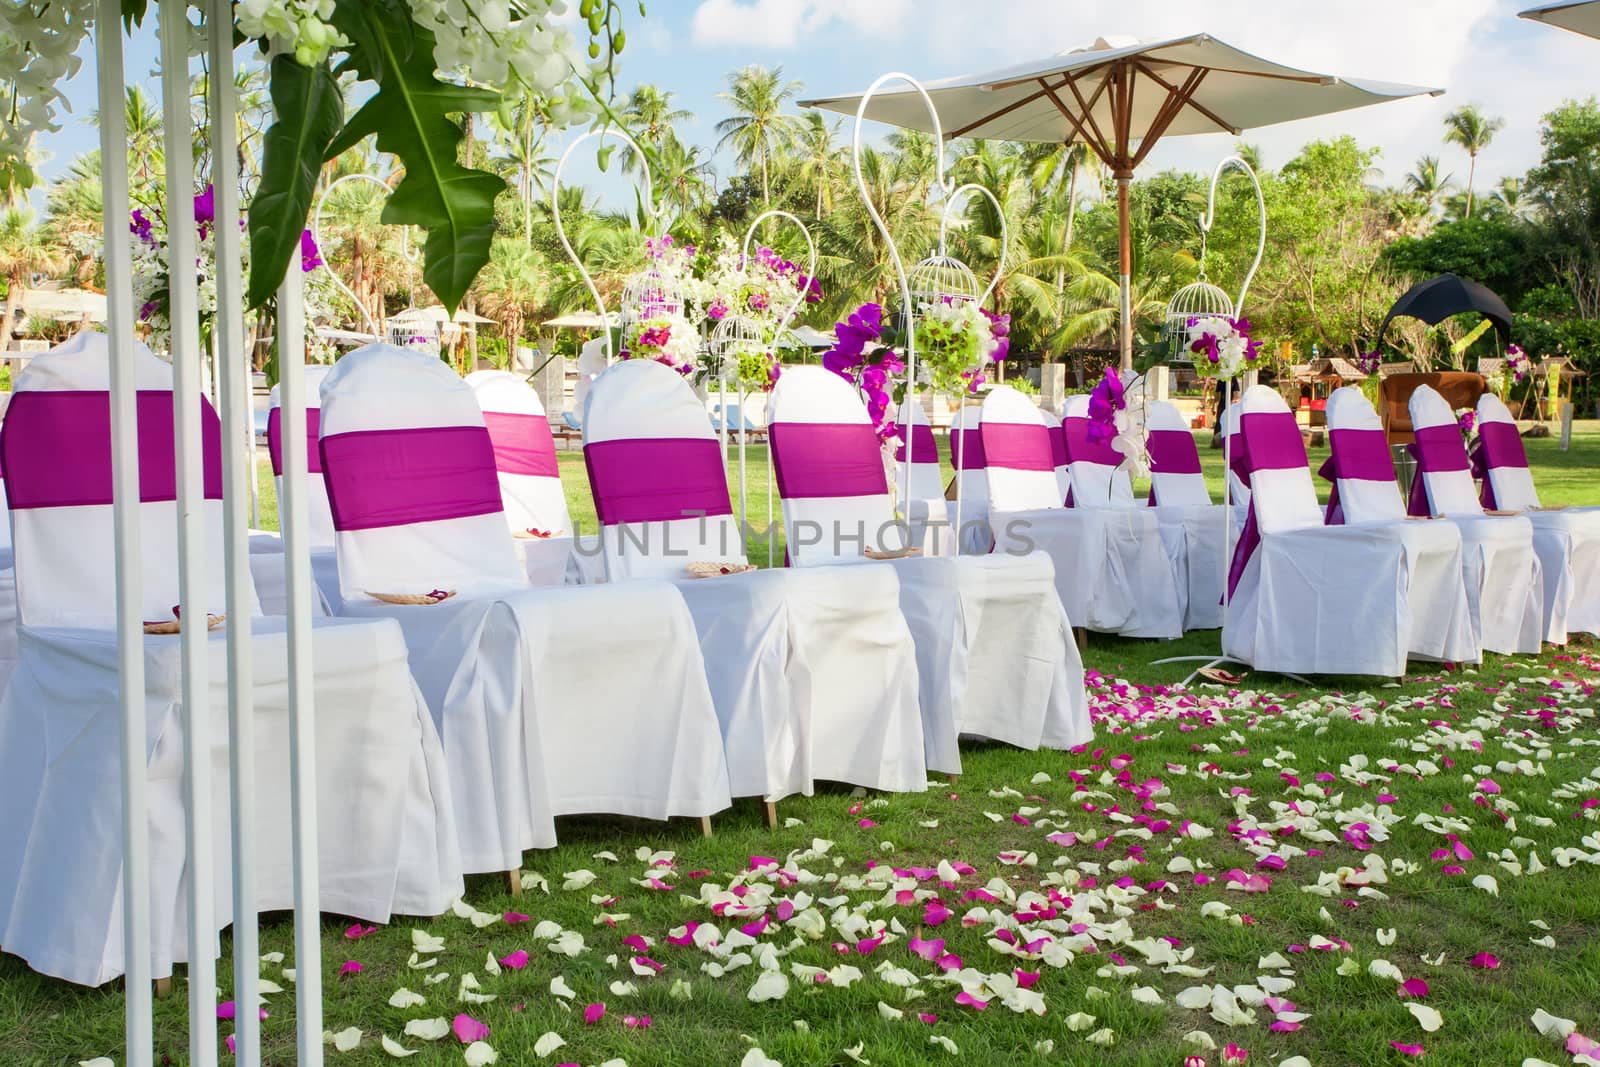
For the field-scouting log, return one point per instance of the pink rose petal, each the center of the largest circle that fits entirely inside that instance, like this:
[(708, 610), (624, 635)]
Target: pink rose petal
[(1413, 987), (1405, 1049), (925, 1017), (350, 967), (1485, 960), (467, 1029), (971, 1001), (594, 1013), (514, 917), (357, 931), (516, 960), (636, 1022)]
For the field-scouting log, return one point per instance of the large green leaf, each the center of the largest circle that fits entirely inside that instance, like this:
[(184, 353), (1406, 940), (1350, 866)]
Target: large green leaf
[(309, 111), (410, 114)]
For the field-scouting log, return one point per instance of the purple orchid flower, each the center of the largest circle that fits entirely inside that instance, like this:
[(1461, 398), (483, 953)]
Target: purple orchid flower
[(1107, 398), (205, 210), (310, 254), (141, 227)]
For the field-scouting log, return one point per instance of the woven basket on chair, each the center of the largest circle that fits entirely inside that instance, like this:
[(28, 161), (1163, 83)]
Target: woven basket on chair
[(438, 596)]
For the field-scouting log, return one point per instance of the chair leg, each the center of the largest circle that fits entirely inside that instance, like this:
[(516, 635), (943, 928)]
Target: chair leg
[(162, 987), (514, 881), (772, 815), (1081, 635), (955, 780), (705, 826)]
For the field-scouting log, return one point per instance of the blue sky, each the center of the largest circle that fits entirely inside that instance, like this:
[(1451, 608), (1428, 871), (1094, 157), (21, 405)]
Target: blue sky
[(1476, 49)]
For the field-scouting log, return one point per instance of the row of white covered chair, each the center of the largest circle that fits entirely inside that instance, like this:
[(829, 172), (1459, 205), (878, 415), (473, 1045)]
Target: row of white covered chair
[(460, 706)]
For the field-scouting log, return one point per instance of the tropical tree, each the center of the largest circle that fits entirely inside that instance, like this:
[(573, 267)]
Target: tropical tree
[(1472, 130), (146, 157), (513, 287), (758, 128), (816, 160), (364, 251), (74, 208), (1426, 184), (683, 179), (651, 116), (526, 159), (26, 249), (1512, 198)]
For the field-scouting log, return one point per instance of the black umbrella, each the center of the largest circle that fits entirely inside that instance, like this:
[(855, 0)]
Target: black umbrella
[(1437, 299)]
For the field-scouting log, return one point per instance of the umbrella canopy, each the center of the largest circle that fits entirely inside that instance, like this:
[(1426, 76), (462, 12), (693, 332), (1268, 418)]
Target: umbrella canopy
[(1579, 16), (64, 304), (810, 337), (1120, 97), (1437, 299), (581, 320), (436, 313)]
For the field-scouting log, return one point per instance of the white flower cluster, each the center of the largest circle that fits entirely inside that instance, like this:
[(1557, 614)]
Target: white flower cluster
[(38, 46), (1132, 438), (1218, 348), (298, 26), (498, 41)]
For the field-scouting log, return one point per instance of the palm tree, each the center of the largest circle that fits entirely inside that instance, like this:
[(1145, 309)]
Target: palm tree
[(1470, 129), (356, 239), (817, 164), (651, 116), (143, 118), (74, 205), (682, 178), (1427, 184), (758, 127), (25, 250), (526, 158), (1512, 198), (512, 287)]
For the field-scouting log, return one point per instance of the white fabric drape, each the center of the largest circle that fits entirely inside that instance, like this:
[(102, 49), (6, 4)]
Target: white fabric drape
[(1317, 599), (548, 700), (1499, 567), (1193, 529)]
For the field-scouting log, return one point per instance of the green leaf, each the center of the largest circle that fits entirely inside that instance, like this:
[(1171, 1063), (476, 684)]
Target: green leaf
[(309, 110), (410, 115), (133, 13)]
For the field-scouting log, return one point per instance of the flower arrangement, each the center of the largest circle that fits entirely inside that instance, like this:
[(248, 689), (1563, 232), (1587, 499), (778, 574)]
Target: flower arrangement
[(957, 341), (1518, 364), (871, 372), (1113, 418), (1467, 423), (667, 337), (152, 275), (1221, 347), (506, 49), (1369, 363), (759, 290)]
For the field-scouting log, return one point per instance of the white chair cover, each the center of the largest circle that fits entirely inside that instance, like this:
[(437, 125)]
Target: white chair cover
[(1314, 599), (968, 503), (843, 703), (319, 519), (530, 480), (1238, 488), (1112, 569), (550, 700), (1095, 477), (1567, 539), (1501, 571), (386, 834), (1009, 626), (1193, 529), (929, 514)]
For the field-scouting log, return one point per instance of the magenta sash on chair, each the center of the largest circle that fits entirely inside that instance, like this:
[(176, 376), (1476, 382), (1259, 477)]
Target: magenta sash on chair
[(379, 478), (1017, 446), (1058, 444), (1499, 445), (275, 440), (1357, 454), (657, 479), (1080, 449), (827, 459), (522, 444), (1265, 441), (1438, 450), (924, 449), (966, 449), (55, 448), (1171, 452)]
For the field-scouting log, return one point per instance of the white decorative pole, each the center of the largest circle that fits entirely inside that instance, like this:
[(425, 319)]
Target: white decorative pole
[(187, 387), (137, 1025), (238, 479)]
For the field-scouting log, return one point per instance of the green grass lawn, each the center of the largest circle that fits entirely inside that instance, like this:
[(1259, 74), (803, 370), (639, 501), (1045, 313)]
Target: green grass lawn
[(1499, 766)]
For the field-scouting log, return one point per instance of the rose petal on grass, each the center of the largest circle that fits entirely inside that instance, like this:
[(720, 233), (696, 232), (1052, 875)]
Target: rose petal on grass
[(467, 1029), (516, 960), (594, 1013), (1487, 961), (547, 1044), (405, 998), (479, 1054), (1427, 1017), (396, 1049), (1405, 1049), (427, 1029)]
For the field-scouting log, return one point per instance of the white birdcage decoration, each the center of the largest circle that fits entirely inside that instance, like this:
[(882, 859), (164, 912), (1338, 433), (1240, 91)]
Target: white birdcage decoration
[(648, 294), (942, 279), (415, 333), (731, 338), (1197, 300)]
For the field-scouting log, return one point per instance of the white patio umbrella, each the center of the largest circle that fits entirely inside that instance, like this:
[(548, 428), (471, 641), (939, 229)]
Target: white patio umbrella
[(1579, 16), (437, 313), (581, 320), (1120, 97)]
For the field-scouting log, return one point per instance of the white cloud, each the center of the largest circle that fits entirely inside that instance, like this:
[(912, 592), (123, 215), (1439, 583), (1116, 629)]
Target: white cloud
[(787, 23)]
